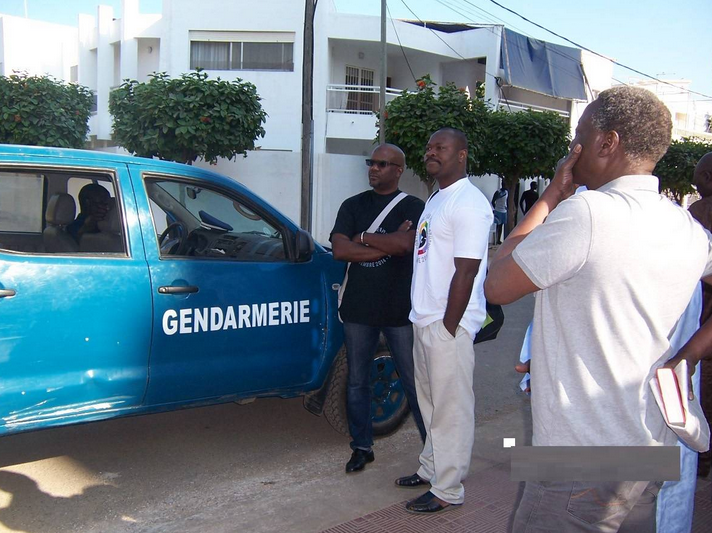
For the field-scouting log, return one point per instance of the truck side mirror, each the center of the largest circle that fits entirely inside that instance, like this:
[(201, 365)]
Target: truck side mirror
[(304, 246)]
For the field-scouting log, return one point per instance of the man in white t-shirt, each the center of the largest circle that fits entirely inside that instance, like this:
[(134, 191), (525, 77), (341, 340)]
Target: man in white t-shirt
[(614, 268), (448, 309)]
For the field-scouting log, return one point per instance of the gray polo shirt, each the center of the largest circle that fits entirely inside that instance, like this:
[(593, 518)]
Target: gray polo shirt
[(617, 266)]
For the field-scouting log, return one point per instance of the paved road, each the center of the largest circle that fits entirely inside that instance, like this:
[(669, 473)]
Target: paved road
[(264, 467)]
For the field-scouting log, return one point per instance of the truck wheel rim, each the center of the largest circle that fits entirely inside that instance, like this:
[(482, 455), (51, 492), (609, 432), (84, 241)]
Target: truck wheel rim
[(387, 394)]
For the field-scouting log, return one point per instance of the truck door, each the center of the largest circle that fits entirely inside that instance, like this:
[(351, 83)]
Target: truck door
[(76, 311), (233, 314)]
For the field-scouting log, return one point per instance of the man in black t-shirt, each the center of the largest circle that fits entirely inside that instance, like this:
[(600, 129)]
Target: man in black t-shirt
[(529, 198), (377, 295)]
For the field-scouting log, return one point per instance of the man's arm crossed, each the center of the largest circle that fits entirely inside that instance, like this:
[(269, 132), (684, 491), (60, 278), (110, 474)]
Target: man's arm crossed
[(400, 242), (345, 249)]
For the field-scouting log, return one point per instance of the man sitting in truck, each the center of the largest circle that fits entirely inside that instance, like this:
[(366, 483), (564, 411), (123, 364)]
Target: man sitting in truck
[(94, 204)]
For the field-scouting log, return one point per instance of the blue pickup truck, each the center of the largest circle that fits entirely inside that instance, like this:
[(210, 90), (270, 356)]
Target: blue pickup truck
[(189, 291)]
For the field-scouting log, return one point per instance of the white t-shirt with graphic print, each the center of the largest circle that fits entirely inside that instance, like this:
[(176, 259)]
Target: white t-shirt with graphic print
[(455, 223)]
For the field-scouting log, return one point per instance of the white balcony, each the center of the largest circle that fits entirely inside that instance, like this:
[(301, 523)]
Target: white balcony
[(351, 110)]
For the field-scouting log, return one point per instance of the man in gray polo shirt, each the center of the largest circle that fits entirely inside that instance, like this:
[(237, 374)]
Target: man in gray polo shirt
[(614, 268)]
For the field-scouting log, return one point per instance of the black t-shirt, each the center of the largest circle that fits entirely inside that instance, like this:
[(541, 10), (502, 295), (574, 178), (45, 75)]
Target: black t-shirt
[(528, 198), (378, 292)]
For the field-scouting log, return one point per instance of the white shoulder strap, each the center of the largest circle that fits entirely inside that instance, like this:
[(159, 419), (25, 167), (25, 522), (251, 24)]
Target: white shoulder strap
[(383, 214), (373, 227)]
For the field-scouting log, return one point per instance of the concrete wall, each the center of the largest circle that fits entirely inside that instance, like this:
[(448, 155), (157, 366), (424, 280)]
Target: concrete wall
[(37, 47), (464, 74), (275, 176), (350, 127), (149, 52)]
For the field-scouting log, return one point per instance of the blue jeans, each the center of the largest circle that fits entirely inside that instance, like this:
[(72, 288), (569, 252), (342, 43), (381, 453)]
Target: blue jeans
[(361, 345)]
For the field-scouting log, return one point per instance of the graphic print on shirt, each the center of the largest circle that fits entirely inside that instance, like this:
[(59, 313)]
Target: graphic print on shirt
[(382, 260), (423, 238)]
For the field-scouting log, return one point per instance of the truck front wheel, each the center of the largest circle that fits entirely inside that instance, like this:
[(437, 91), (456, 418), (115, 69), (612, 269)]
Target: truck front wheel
[(389, 406)]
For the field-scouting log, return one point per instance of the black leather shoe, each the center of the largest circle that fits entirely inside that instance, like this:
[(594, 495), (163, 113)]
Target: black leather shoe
[(428, 503), (358, 460), (411, 481)]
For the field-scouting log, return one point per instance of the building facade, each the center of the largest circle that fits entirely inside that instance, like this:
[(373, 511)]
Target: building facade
[(263, 44)]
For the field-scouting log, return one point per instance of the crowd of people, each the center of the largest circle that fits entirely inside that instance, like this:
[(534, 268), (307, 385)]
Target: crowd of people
[(613, 268)]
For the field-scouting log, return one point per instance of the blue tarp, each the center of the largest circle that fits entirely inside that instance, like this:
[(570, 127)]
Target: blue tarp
[(542, 67)]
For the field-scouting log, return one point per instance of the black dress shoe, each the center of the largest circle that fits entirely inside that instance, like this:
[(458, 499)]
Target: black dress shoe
[(428, 503), (411, 481), (358, 460)]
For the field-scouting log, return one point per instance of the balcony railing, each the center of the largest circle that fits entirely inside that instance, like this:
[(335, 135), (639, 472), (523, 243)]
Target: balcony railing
[(511, 105), (356, 99), (679, 133)]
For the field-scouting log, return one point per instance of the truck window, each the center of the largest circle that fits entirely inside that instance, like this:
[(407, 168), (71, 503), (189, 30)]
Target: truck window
[(196, 221), (21, 202), (41, 212)]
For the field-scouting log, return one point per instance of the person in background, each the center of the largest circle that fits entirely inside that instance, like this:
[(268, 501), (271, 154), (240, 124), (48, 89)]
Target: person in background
[(529, 198), (499, 204)]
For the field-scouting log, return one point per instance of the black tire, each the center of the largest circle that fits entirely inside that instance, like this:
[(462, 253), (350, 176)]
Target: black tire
[(335, 403), (389, 405)]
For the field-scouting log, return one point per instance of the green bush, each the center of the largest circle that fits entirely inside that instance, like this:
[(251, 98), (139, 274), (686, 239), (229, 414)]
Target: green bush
[(42, 111), (181, 119), (677, 166)]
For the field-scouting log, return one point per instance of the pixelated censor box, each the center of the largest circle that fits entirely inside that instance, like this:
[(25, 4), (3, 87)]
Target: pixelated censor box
[(595, 463)]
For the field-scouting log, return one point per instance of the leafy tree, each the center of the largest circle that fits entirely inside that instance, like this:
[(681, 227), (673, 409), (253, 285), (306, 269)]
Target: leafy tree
[(411, 118), (677, 166), (181, 119), (40, 110), (523, 145)]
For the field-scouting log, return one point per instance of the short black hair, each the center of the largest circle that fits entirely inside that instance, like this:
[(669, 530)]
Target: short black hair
[(88, 190), (458, 135)]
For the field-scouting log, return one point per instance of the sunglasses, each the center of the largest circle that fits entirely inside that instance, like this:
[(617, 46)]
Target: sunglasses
[(380, 164)]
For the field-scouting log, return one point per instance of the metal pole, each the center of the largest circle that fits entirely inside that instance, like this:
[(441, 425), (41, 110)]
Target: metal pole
[(305, 218), (384, 66)]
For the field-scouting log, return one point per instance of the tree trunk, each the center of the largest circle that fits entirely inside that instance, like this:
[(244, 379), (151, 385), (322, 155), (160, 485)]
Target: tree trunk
[(512, 201)]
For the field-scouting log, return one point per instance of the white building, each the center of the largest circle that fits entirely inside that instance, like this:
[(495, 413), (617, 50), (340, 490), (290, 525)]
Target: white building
[(263, 43), (37, 48), (690, 117)]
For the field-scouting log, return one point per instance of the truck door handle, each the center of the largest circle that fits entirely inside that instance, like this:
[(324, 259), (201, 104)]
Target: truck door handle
[(175, 289), (4, 293)]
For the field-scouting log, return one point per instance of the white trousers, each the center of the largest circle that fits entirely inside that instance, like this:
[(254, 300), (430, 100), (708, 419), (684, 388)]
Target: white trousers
[(444, 376)]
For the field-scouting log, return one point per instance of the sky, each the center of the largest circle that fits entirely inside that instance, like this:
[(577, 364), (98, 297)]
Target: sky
[(662, 38)]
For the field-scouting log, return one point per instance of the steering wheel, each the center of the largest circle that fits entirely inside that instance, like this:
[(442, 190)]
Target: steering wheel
[(174, 239)]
